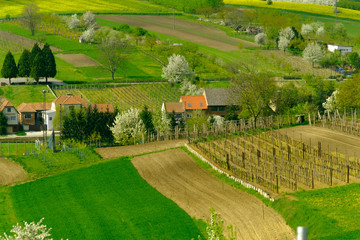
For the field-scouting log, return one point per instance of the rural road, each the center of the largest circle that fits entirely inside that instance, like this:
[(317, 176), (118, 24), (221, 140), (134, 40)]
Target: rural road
[(175, 174)]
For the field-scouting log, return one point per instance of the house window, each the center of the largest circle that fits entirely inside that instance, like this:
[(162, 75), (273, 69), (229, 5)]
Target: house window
[(201, 105), (189, 105), (27, 116), (50, 118), (214, 109), (71, 107), (188, 115), (8, 109), (221, 109), (13, 118)]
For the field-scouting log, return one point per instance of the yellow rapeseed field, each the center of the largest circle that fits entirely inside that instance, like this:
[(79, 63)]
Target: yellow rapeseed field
[(14, 8), (303, 7)]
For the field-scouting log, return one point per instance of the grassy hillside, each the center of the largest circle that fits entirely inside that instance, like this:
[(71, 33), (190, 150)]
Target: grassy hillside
[(105, 201), (18, 94), (14, 8)]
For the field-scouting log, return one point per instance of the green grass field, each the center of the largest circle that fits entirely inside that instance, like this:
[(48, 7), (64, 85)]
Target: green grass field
[(18, 94), (105, 201)]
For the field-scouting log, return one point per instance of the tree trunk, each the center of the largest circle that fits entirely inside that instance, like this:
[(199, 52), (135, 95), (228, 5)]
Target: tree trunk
[(112, 75), (9, 81), (46, 79)]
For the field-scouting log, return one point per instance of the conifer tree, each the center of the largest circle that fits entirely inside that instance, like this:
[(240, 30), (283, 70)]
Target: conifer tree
[(146, 116), (34, 51), (9, 69), (50, 65), (24, 65), (3, 123)]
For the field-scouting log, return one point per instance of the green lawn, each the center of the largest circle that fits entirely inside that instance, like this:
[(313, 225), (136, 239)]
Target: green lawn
[(105, 201)]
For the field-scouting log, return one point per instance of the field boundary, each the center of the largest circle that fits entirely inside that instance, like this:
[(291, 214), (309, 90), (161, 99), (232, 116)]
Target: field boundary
[(245, 184)]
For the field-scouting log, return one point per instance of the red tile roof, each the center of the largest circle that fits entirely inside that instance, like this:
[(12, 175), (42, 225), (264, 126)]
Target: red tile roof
[(193, 102), (103, 107), (70, 100), (6, 103), (33, 107)]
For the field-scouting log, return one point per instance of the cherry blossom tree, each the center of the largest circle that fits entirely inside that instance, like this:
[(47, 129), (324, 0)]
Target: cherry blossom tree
[(313, 53), (260, 38), (177, 69)]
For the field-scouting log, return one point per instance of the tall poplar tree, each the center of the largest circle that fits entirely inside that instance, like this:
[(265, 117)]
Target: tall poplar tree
[(49, 60), (24, 65), (37, 69)]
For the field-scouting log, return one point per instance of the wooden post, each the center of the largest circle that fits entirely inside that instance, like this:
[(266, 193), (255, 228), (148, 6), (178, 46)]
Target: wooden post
[(243, 159), (258, 157), (289, 153), (347, 173), (331, 173), (312, 179), (277, 183), (227, 162)]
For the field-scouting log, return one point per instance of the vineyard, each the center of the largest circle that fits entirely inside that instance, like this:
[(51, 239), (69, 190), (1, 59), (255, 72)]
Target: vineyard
[(279, 163), (126, 96)]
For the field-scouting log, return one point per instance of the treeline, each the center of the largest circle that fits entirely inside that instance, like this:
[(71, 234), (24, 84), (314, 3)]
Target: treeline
[(318, 2), (189, 6), (351, 4)]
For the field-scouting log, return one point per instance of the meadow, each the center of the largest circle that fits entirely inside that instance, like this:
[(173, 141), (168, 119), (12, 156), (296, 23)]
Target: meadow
[(105, 201), (18, 94)]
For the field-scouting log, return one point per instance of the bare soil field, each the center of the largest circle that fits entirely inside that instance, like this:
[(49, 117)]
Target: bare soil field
[(132, 150), (10, 172), (175, 174), (23, 41), (189, 31), (78, 60), (335, 141)]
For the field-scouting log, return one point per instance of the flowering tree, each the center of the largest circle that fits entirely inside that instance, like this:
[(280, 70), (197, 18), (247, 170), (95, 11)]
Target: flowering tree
[(283, 43), (188, 88), (30, 231), (128, 126), (177, 70), (330, 104), (306, 29), (313, 53), (260, 38), (73, 21), (88, 35), (320, 31), (89, 19), (285, 36)]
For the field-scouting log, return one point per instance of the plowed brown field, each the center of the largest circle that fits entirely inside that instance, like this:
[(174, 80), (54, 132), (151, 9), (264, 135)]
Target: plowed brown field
[(186, 30), (10, 172), (175, 174)]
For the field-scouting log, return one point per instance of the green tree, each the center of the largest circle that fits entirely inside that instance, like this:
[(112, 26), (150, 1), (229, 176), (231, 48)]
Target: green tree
[(34, 51), (173, 122), (3, 123), (49, 60), (31, 17), (197, 121), (354, 60), (253, 91), (348, 95), (9, 69), (24, 65), (146, 116), (38, 67)]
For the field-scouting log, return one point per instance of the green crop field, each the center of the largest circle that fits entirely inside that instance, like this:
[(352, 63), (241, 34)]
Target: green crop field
[(78, 6), (105, 201)]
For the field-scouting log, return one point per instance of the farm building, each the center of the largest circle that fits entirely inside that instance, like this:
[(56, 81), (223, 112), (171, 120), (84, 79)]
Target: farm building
[(176, 107), (69, 102), (103, 108), (218, 100), (31, 115), (12, 116), (341, 48), (192, 103)]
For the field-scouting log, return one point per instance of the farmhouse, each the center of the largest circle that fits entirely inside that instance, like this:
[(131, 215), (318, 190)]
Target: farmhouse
[(12, 116), (218, 100), (31, 115), (341, 48), (69, 102), (192, 103), (103, 108), (174, 107)]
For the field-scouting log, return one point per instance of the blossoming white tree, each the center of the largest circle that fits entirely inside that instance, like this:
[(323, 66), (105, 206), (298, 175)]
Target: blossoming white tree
[(87, 36), (330, 103), (283, 43), (285, 36), (89, 19), (128, 126), (73, 21), (161, 122), (306, 29), (260, 38), (177, 69), (313, 53), (30, 231)]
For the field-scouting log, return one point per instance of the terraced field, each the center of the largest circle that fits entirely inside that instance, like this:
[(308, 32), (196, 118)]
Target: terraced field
[(124, 97)]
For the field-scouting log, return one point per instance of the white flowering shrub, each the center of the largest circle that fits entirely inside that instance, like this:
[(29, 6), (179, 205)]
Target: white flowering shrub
[(189, 89), (128, 127), (177, 69), (313, 53), (287, 33), (30, 231), (320, 31), (330, 103), (260, 38), (88, 19), (87, 36), (73, 21), (218, 121), (283, 43), (306, 29)]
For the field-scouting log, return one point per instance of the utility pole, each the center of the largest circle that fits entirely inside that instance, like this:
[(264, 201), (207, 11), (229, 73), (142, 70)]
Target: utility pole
[(173, 18), (336, 11), (44, 120)]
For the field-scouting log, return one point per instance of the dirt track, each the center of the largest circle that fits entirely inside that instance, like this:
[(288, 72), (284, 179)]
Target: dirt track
[(78, 60), (114, 152), (10, 172), (335, 141), (189, 31), (178, 177)]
